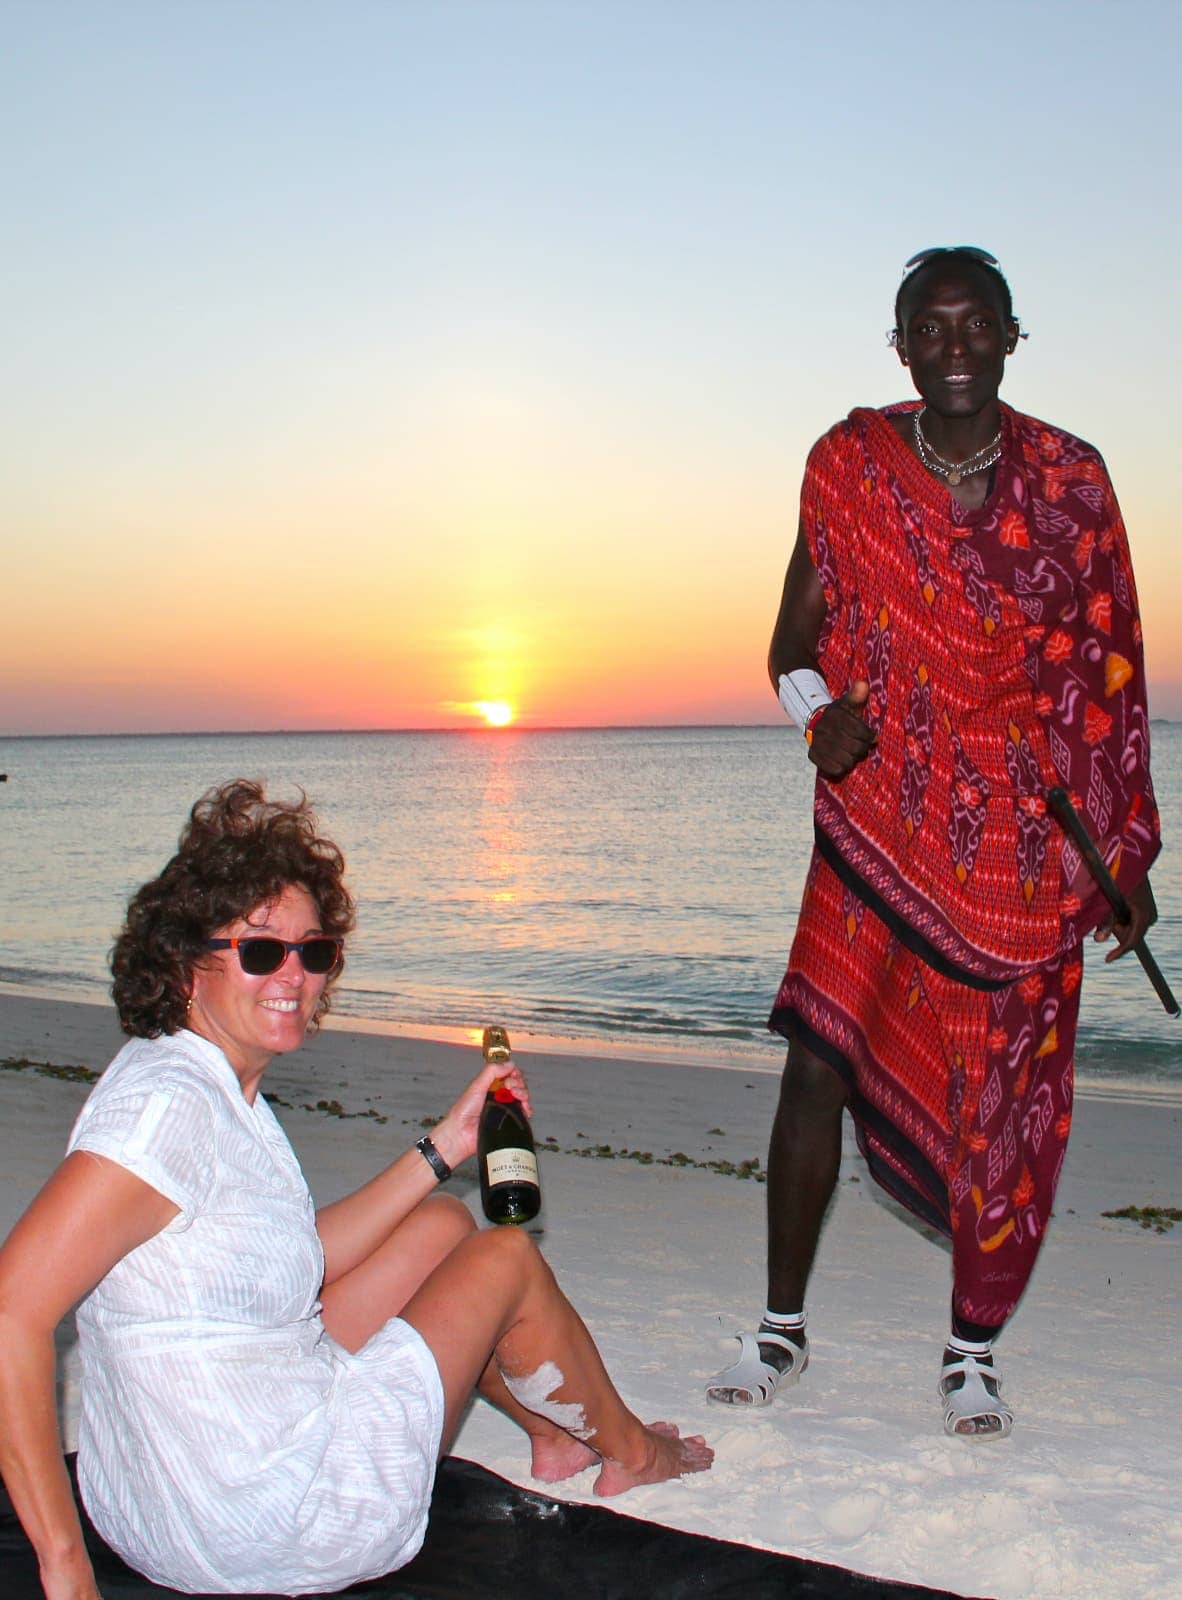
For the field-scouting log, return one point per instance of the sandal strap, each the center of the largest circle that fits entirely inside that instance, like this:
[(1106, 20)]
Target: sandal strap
[(968, 1367), (755, 1375), (973, 1398), (796, 1351)]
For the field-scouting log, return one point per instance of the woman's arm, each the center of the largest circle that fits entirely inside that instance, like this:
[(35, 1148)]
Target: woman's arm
[(89, 1215), (840, 736), (352, 1228)]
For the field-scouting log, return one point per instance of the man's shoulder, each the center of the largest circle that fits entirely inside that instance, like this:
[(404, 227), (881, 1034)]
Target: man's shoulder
[(852, 442), (1051, 445), (838, 440)]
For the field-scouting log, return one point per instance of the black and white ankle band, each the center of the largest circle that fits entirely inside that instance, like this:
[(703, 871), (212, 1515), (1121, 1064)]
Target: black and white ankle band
[(776, 1320)]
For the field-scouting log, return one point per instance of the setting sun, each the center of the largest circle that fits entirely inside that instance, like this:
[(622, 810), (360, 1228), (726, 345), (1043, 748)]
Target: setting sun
[(497, 713)]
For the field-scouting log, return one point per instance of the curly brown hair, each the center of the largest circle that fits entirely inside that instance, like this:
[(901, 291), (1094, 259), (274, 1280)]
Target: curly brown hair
[(237, 852)]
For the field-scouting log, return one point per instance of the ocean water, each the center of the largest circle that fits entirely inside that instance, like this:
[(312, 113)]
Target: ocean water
[(635, 888)]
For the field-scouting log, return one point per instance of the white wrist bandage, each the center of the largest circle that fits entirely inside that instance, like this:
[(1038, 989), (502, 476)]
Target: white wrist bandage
[(801, 693)]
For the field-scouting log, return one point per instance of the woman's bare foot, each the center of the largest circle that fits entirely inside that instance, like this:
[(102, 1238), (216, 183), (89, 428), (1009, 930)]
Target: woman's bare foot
[(558, 1456), (666, 1455)]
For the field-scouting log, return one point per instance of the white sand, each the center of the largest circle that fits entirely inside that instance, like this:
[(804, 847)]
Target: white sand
[(851, 1467)]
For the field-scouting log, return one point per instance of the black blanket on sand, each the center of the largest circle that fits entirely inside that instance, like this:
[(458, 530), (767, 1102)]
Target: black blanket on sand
[(489, 1540)]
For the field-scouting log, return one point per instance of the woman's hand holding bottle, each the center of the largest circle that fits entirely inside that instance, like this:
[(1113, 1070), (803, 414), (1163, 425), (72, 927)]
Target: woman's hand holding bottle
[(456, 1133), (509, 1188)]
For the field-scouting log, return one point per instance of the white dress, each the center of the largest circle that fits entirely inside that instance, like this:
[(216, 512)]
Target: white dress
[(227, 1443)]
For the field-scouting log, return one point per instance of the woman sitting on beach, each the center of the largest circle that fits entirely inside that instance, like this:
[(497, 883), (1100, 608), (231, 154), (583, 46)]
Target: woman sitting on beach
[(266, 1388)]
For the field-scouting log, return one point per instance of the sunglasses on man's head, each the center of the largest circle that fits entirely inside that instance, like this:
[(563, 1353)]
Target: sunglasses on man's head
[(261, 953), (922, 257)]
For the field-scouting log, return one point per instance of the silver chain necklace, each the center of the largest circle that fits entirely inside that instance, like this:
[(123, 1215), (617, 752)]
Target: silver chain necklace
[(954, 472)]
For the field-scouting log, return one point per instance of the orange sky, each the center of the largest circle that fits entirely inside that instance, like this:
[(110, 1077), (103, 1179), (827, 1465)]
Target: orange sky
[(381, 593), (353, 400)]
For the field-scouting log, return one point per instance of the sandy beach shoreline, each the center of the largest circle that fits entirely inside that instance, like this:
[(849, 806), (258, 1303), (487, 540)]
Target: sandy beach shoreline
[(764, 1057), (660, 1243)]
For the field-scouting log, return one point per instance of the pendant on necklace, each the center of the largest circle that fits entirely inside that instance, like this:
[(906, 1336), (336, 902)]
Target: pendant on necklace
[(954, 478)]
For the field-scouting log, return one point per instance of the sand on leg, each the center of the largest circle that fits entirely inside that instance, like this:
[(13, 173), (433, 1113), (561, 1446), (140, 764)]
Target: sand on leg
[(515, 1310), (355, 1305)]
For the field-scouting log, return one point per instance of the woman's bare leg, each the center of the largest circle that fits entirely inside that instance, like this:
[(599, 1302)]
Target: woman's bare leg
[(494, 1294), (360, 1302), (554, 1453)]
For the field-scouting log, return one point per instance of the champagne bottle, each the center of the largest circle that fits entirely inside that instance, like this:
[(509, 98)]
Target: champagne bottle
[(509, 1189)]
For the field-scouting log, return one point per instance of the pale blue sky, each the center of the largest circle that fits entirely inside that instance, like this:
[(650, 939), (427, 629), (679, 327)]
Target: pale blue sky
[(479, 277)]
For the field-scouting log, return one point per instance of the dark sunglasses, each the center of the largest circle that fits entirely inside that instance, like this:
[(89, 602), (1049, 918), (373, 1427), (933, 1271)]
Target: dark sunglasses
[(261, 953), (922, 257)]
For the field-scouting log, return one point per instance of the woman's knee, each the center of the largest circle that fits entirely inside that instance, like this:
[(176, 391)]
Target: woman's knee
[(448, 1217), (512, 1255)]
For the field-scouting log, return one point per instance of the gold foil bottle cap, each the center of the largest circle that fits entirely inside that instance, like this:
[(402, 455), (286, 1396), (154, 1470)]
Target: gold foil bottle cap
[(495, 1045)]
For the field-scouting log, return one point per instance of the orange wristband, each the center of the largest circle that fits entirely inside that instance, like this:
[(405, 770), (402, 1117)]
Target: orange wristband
[(812, 722)]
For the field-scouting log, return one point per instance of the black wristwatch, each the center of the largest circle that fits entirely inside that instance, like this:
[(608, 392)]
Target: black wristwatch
[(433, 1159)]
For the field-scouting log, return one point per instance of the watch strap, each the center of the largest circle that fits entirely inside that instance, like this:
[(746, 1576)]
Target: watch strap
[(433, 1159)]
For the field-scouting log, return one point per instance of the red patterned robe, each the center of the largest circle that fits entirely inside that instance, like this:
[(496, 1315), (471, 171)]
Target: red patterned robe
[(937, 959)]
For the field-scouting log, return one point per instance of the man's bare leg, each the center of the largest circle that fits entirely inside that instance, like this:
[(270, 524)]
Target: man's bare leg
[(804, 1159)]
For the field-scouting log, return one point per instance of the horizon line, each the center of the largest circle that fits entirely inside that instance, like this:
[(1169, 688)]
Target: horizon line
[(276, 733), (486, 730)]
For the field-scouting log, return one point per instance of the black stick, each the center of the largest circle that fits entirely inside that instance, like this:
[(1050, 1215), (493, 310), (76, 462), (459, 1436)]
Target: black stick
[(1060, 807)]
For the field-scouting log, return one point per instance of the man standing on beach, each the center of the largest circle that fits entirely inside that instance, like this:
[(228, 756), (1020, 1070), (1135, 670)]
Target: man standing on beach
[(958, 634)]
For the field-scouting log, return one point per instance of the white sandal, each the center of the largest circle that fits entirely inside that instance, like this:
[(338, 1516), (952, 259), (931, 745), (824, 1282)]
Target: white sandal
[(973, 1409), (754, 1377)]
